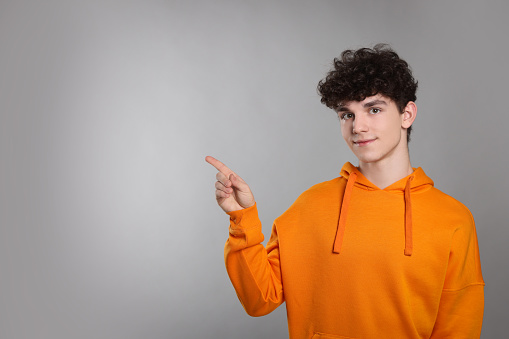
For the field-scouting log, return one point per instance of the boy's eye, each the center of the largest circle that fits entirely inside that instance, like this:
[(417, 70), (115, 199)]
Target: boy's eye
[(374, 110), (346, 116)]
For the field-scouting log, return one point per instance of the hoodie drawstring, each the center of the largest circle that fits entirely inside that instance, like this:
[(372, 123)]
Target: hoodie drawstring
[(340, 231), (408, 219)]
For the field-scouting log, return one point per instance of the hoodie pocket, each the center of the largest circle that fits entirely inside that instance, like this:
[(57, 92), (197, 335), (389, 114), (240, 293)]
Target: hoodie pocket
[(319, 335)]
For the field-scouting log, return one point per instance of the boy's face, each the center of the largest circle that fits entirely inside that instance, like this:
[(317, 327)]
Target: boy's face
[(374, 129)]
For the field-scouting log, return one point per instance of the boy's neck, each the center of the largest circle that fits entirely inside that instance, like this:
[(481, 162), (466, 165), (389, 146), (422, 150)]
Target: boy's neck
[(386, 172)]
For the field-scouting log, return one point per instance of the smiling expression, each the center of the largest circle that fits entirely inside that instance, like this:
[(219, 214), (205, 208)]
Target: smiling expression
[(374, 128)]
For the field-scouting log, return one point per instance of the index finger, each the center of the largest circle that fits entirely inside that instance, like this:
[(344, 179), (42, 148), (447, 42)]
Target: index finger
[(218, 165)]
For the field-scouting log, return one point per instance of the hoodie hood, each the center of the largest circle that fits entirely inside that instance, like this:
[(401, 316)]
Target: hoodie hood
[(415, 182)]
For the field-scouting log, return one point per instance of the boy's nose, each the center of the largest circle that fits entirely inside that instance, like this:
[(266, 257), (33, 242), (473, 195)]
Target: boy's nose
[(360, 124)]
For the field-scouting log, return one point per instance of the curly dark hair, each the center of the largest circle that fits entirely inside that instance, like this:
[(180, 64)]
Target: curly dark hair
[(361, 73)]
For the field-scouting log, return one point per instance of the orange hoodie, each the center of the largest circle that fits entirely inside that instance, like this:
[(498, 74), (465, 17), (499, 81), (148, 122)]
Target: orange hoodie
[(354, 261)]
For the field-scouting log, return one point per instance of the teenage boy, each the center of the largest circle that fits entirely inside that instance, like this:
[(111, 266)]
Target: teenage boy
[(375, 253)]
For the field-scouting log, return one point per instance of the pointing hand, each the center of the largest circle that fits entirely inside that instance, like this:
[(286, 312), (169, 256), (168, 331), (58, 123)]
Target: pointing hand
[(232, 192)]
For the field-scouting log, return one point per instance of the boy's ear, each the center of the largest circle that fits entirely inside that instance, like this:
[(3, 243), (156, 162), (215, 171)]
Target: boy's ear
[(409, 114)]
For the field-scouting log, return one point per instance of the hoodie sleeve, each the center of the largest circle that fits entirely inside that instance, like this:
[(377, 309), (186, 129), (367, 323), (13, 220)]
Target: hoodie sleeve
[(461, 307), (253, 269)]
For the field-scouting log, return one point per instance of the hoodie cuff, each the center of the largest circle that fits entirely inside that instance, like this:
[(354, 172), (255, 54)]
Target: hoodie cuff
[(244, 218), (245, 229)]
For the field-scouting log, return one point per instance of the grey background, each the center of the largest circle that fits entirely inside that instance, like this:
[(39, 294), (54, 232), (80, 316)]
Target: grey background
[(109, 225)]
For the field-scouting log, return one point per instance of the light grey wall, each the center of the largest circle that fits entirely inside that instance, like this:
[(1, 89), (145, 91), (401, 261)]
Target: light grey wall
[(109, 226)]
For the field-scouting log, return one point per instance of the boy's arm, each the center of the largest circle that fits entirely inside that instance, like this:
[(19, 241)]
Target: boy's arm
[(461, 307), (253, 269), (460, 314)]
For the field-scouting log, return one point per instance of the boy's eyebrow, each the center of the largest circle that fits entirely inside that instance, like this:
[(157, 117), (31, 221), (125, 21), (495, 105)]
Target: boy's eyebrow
[(374, 103), (343, 108)]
